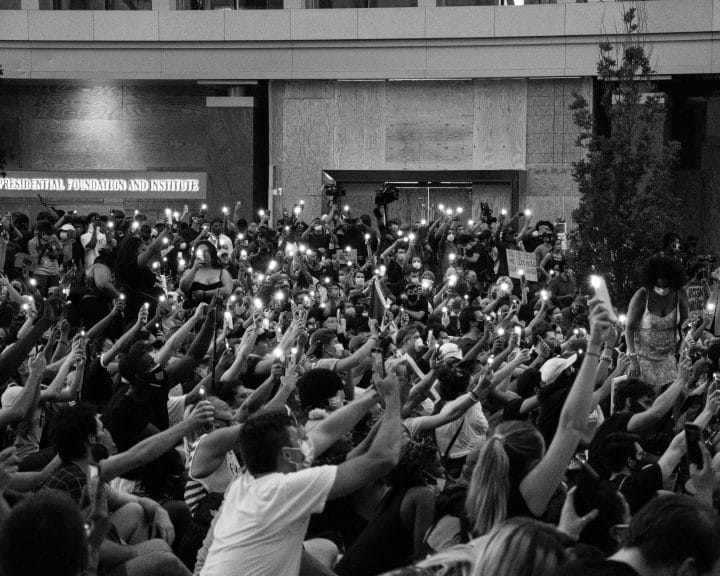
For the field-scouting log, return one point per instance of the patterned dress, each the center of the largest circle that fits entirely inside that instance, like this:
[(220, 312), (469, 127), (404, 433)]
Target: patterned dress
[(655, 343)]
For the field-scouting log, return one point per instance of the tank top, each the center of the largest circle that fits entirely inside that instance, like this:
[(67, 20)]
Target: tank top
[(655, 343), (190, 302), (216, 482)]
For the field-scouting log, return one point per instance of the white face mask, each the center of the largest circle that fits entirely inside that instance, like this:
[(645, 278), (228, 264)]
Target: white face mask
[(336, 402), (339, 348), (419, 344), (451, 238), (417, 265), (662, 291), (308, 451), (317, 228)]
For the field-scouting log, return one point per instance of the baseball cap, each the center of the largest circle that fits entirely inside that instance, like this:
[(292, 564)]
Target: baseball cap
[(551, 370), (321, 337), (136, 362), (450, 350)]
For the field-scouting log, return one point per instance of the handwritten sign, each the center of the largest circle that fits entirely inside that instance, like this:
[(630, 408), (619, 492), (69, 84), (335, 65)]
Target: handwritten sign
[(345, 256), (696, 300), (525, 261)]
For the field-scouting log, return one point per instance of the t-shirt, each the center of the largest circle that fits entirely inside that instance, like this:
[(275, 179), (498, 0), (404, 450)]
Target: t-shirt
[(473, 432), (92, 253), (512, 411), (617, 422), (262, 523), (640, 487), (68, 478)]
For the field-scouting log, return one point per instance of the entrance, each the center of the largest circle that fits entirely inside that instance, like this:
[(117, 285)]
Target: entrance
[(421, 193)]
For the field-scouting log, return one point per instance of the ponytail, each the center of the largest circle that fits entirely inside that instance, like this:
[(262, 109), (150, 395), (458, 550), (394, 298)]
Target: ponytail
[(487, 497), (504, 460)]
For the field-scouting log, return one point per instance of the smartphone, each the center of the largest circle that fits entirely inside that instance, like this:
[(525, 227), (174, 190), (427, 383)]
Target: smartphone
[(693, 439), (600, 288), (93, 470), (581, 460), (378, 362)]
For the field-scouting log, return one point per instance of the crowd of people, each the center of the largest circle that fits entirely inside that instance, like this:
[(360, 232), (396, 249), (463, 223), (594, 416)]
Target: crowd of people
[(346, 394)]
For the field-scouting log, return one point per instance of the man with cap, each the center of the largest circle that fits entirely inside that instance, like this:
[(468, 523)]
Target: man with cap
[(139, 408), (325, 351)]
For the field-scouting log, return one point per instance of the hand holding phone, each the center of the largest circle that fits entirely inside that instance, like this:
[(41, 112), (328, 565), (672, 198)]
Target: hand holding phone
[(378, 363), (601, 291), (693, 439)]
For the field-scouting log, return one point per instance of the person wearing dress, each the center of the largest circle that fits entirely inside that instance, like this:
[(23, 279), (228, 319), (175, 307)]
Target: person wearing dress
[(656, 312)]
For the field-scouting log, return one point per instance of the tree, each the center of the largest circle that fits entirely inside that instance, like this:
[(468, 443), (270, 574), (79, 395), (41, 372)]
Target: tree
[(627, 202)]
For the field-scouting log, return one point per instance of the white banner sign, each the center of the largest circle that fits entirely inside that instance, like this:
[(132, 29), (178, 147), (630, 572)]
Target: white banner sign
[(522, 261)]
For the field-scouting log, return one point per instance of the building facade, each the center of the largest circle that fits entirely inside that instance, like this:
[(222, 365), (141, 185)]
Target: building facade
[(259, 103)]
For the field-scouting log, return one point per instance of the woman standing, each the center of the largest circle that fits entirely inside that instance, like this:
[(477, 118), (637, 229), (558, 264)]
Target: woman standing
[(205, 277), (656, 313)]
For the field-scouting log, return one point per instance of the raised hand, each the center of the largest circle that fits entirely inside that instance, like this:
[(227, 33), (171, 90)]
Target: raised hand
[(571, 523), (202, 415), (8, 467)]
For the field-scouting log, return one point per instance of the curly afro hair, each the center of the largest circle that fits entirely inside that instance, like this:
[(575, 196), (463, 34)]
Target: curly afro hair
[(665, 267)]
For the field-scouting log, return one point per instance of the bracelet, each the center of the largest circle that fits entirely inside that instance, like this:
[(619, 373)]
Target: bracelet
[(595, 354), (474, 397)]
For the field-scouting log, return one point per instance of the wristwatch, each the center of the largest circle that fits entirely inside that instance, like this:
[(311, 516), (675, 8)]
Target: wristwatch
[(632, 355)]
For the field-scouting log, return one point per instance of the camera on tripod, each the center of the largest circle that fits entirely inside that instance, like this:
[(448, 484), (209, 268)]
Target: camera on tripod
[(387, 194)]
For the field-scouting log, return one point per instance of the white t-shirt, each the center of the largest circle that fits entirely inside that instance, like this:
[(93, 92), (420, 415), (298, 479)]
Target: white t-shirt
[(92, 253), (474, 430), (262, 523)]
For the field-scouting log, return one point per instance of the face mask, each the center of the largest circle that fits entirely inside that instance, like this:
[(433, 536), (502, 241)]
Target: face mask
[(661, 291), (419, 344), (339, 348), (335, 402), (308, 452), (417, 265), (317, 228), (451, 238)]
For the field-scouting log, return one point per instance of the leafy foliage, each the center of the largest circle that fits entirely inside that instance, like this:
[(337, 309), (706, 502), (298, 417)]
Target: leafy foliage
[(627, 201)]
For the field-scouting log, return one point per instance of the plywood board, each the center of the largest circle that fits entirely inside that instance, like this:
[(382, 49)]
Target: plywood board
[(359, 126), (499, 129), (429, 124), (307, 148), (310, 89), (429, 144)]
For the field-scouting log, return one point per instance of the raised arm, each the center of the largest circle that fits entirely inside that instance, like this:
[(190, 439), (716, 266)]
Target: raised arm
[(341, 421), (28, 399), (13, 356), (125, 339), (540, 483), (99, 328), (383, 454), (361, 353), (180, 335), (664, 402), (156, 445)]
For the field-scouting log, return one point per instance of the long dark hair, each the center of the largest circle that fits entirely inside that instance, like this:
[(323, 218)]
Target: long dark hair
[(211, 250)]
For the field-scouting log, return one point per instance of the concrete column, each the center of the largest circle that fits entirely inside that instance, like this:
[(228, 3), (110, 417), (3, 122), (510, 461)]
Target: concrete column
[(292, 4), (427, 3), (29, 4)]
